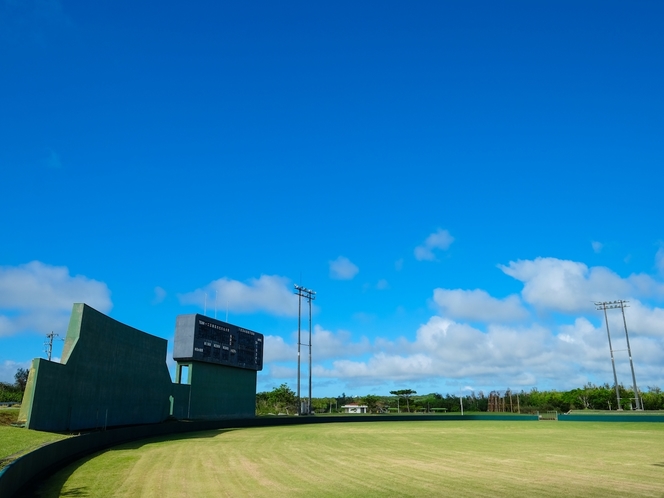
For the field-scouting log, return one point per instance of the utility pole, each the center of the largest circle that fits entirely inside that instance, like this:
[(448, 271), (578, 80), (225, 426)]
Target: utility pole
[(48, 345), (310, 295)]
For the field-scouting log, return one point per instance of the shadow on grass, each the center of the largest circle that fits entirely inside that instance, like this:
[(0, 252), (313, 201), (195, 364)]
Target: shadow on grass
[(52, 486), (134, 445), (82, 491)]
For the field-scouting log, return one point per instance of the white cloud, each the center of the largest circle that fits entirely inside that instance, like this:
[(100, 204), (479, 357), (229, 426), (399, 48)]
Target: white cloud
[(501, 356), (445, 350), (159, 295), (343, 269), (282, 372), (499, 347), (571, 287), (440, 239), (398, 264), (382, 284), (659, 260), (519, 357), (509, 348), (597, 246), (381, 366), (37, 297), (478, 305), (270, 294), (326, 344), (276, 350), (641, 319)]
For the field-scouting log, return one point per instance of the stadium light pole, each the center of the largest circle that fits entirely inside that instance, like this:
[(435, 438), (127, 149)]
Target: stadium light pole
[(603, 306), (637, 399), (310, 295), (299, 317), (638, 402)]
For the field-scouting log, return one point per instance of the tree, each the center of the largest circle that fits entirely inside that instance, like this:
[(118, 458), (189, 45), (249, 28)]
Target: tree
[(21, 378), (320, 404), (281, 399), (371, 400), (653, 399), (344, 400), (406, 393)]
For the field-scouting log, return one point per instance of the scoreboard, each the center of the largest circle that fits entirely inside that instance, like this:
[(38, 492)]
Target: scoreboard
[(201, 338)]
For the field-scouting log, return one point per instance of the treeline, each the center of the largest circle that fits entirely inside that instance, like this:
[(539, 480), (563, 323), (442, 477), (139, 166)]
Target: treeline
[(283, 400), (593, 397), (13, 393)]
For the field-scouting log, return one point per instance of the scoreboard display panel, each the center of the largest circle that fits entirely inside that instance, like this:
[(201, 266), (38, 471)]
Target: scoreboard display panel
[(201, 338)]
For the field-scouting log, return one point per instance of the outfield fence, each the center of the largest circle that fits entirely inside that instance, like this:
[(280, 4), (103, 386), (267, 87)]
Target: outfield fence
[(42, 462), (597, 417)]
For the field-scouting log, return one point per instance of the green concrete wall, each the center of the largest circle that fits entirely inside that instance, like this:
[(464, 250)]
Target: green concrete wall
[(215, 392), (110, 375)]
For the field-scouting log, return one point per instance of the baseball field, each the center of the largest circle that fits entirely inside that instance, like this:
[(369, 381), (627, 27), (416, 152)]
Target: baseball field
[(423, 458)]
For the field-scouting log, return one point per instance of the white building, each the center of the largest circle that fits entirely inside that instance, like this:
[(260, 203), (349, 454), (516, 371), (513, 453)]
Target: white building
[(354, 408)]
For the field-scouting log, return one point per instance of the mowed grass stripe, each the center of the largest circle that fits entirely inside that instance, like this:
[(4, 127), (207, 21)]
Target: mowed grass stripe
[(434, 458)]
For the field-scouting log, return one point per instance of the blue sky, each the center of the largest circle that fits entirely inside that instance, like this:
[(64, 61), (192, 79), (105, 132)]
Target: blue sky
[(457, 181)]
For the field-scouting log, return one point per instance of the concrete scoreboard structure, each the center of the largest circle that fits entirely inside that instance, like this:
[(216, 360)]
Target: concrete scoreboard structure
[(219, 361), (201, 338), (112, 374)]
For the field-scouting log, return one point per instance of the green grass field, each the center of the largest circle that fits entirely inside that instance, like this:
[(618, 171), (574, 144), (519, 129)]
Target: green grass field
[(424, 458), (8, 415), (15, 441)]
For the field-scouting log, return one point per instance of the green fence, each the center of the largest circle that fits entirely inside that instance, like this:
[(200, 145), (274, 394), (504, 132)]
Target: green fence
[(637, 417)]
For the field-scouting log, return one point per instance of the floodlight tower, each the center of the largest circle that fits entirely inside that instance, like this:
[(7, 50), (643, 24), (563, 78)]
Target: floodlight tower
[(310, 295), (603, 306), (622, 304), (299, 291), (638, 401)]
